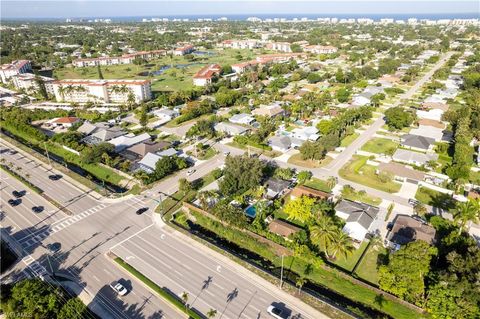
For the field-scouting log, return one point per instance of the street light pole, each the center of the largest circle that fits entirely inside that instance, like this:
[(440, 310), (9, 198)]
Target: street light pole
[(48, 156), (281, 274)]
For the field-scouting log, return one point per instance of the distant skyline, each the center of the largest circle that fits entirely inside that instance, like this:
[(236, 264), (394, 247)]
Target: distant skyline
[(29, 9)]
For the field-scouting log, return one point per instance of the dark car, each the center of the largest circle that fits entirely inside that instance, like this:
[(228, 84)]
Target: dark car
[(14, 202), (142, 210), (54, 247), (19, 194), (55, 177), (37, 209)]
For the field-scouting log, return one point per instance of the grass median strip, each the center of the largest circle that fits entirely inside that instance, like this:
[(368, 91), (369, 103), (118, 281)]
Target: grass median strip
[(165, 294), (21, 179)]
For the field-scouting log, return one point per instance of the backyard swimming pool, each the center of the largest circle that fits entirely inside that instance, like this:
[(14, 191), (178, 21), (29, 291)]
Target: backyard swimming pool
[(251, 211)]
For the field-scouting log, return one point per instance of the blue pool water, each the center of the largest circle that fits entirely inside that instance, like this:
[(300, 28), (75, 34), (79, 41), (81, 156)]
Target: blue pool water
[(251, 211)]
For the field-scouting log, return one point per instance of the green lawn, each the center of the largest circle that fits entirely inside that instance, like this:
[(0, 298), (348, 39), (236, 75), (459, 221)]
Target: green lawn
[(434, 198), (296, 159), (357, 170), (318, 184), (380, 146), (349, 263), (367, 269), (363, 197), (349, 139)]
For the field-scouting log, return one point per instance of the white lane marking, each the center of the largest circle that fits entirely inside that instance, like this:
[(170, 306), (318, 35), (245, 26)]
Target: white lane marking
[(96, 278), (131, 236), (219, 268), (217, 285)]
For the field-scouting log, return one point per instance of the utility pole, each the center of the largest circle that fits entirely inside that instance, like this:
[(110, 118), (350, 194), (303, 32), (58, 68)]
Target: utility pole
[(281, 274), (48, 156), (160, 202)]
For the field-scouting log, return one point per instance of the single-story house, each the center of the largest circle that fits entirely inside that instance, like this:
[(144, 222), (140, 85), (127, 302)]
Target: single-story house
[(139, 150), (165, 114), (360, 100), (99, 132), (168, 152), (230, 128), (280, 143), (401, 172), (406, 229), (128, 140), (306, 133), (431, 123), (301, 190), (358, 218), (242, 118), (148, 162), (282, 228), (276, 187), (417, 142), (66, 122), (415, 158), (270, 110), (432, 114), (435, 105), (428, 131)]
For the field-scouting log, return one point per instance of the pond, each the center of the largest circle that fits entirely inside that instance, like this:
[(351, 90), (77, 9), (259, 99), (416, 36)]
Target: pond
[(165, 68), (204, 53)]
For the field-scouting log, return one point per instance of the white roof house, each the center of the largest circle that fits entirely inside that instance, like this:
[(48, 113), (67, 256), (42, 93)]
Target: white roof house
[(434, 114), (125, 141), (411, 157), (280, 143), (148, 162), (230, 128), (242, 118), (306, 133), (358, 218), (360, 100), (428, 131)]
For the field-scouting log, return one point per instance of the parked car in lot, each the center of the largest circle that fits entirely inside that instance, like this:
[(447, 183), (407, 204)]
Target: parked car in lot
[(277, 312), (142, 210), (37, 209), (54, 247), (119, 288), (190, 172)]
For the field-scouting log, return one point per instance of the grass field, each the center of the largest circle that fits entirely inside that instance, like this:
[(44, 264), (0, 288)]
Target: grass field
[(296, 159), (318, 184), (434, 198), (363, 197), (349, 139), (367, 269), (380, 146), (349, 263), (357, 170)]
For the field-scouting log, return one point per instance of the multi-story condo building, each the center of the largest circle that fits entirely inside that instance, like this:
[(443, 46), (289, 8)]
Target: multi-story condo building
[(186, 49), (205, 75), (102, 91), (241, 44), (16, 67), (279, 46), (124, 59), (29, 83), (320, 49)]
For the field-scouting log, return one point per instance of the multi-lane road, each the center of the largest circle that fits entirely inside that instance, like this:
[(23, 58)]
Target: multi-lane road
[(169, 258)]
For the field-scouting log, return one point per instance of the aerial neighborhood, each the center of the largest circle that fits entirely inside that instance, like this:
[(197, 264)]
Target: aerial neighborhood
[(334, 161)]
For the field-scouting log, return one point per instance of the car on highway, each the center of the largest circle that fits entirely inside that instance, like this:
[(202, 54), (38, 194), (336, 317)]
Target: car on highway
[(54, 247), (18, 194), (142, 210), (37, 209), (55, 177), (12, 152), (119, 288), (14, 202), (277, 312), (190, 172)]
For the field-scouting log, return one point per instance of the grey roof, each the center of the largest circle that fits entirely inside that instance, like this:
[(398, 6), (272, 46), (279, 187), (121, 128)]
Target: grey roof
[(417, 141), (277, 185), (240, 117), (87, 128), (148, 147), (280, 141), (150, 160), (403, 155), (230, 128), (124, 141), (168, 152), (406, 229), (361, 213), (108, 133)]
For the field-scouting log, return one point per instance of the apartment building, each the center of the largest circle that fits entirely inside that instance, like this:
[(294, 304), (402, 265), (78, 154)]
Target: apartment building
[(320, 49), (9, 70), (186, 49), (279, 46), (241, 44), (102, 91), (124, 59), (28, 82), (205, 75)]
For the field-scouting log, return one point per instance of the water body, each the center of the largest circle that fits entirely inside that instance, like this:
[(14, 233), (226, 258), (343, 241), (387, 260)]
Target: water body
[(165, 68)]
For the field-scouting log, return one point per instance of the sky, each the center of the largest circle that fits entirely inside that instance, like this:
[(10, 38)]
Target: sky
[(162, 8)]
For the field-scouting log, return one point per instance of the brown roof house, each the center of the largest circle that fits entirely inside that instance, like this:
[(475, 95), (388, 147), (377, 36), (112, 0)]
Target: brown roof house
[(138, 151), (401, 172), (406, 229), (302, 190), (282, 228)]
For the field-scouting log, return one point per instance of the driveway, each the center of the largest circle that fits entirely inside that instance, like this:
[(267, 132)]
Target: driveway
[(408, 190)]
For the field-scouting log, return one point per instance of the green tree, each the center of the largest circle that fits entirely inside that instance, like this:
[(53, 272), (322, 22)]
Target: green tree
[(322, 233), (465, 212), (184, 186), (300, 209), (241, 173), (304, 176), (100, 74), (73, 309), (343, 95), (211, 313), (340, 245), (314, 78), (398, 118), (404, 274)]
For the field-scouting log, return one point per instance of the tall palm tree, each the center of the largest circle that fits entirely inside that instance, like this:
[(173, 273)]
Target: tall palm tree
[(465, 212), (211, 313), (341, 244), (331, 182), (300, 282), (323, 232), (184, 297)]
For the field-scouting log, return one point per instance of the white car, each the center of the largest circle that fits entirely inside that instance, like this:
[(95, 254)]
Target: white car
[(190, 172), (119, 289), (276, 312)]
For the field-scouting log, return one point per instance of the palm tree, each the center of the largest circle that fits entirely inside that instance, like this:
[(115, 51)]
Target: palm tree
[(211, 313), (331, 182), (322, 233), (341, 244), (465, 212), (300, 282), (27, 176), (184, 297)]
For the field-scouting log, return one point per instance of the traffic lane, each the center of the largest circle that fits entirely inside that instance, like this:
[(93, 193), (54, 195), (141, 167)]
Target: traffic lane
[(60, 189), (188, 269), (21, 217)]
